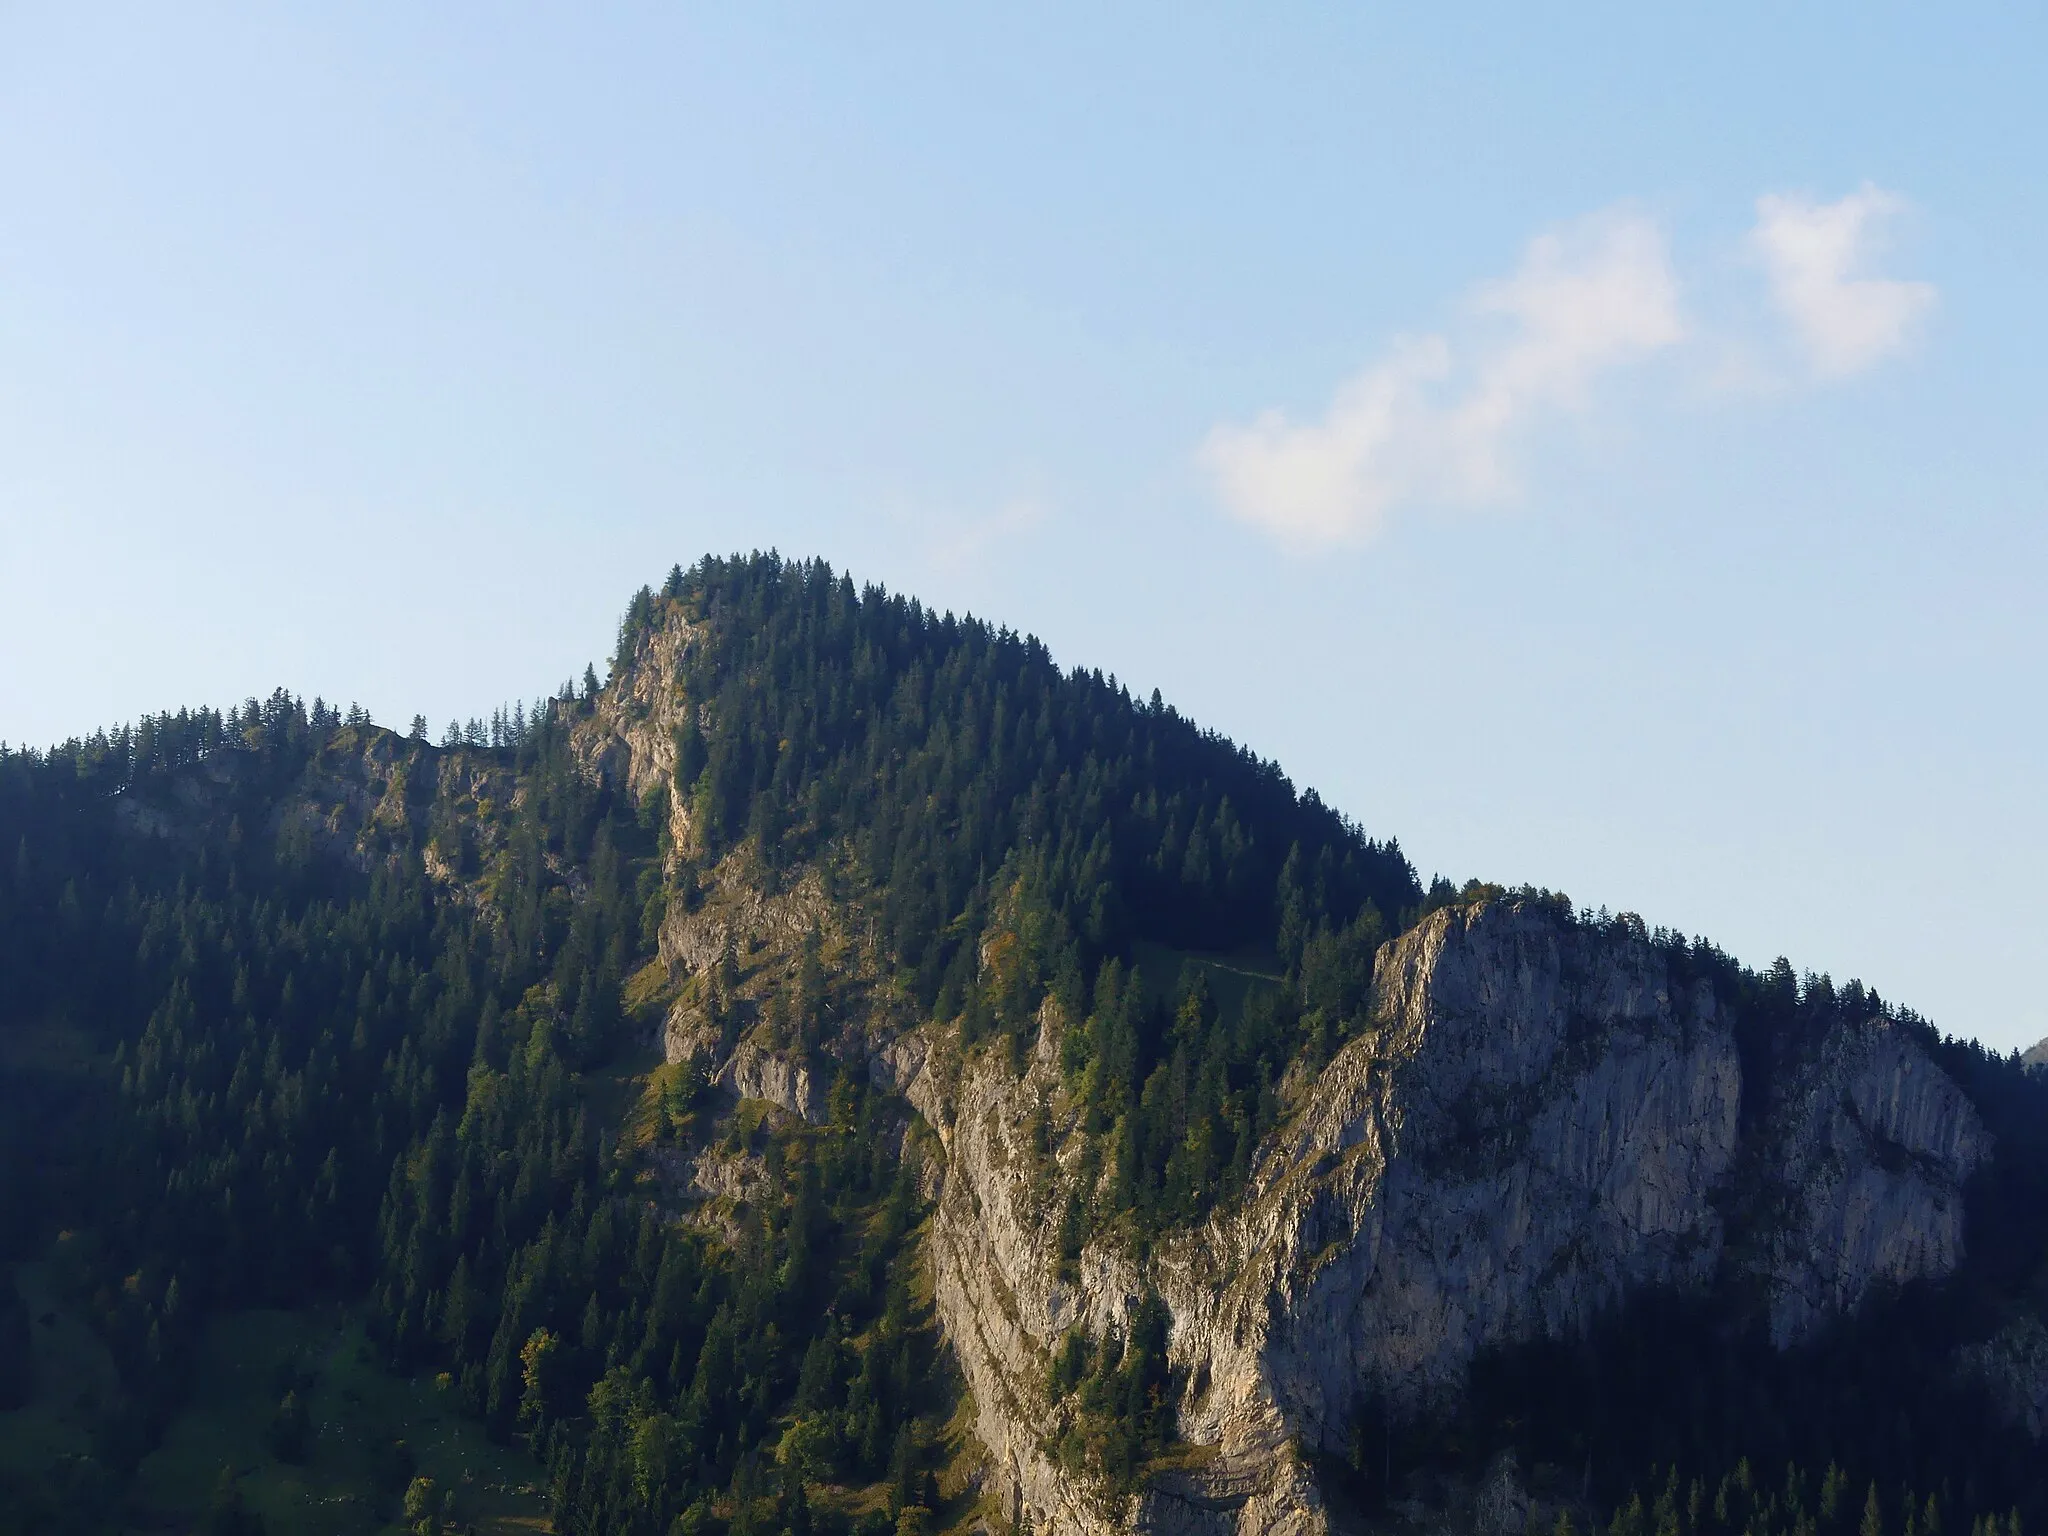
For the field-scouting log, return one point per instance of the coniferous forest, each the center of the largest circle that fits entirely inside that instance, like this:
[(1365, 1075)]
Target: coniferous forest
[(309, 1023)]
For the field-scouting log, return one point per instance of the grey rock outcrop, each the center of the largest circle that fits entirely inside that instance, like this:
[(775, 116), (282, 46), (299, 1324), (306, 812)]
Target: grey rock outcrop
[(1871, 1149), (1538, 1120), (629, 738), (737, 916), (774, 1077)]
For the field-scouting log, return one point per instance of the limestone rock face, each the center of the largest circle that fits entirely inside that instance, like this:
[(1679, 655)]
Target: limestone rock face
[(737, 915), (630, 737), (1533, 1128), (1872, 1149), (1537, 1121), (776, 1077)]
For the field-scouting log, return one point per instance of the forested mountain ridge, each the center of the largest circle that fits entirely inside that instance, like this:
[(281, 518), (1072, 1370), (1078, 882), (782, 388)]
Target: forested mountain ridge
[(846, 1072)]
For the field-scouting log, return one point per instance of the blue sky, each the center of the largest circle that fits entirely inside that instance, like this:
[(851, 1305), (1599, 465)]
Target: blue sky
[(1602, 450)]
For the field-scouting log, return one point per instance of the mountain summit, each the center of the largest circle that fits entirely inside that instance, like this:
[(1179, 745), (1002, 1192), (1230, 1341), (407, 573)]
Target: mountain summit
[(846, 1073)]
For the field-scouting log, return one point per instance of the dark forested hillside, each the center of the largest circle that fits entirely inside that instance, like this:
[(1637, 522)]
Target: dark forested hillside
[(259, 1056), (305, 1016)]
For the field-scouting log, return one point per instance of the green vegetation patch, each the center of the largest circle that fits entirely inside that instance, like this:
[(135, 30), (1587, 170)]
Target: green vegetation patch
[(1113, 1400), (72, 1382), (1230, 979), (319, 1439)]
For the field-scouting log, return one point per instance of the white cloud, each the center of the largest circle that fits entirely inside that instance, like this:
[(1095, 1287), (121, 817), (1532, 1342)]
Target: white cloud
[(1435, 421), (1438, 419), (1815, 255), (966, 542), (1585, 301), (1335, 479), (954, 539)]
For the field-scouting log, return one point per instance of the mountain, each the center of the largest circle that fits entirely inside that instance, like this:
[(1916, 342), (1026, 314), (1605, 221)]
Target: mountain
[(846, 1073)]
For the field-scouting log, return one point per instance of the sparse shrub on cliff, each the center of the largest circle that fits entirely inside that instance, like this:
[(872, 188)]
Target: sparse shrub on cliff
[(1115, 1398)]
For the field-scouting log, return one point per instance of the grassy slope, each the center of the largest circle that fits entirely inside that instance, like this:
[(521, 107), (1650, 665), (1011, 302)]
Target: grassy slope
[(1231, 977), (75, 1377), (352, 1478)]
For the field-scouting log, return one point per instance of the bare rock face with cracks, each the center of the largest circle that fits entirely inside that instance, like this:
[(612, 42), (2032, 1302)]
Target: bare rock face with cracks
[(1537, 1123), (1538, 1120)]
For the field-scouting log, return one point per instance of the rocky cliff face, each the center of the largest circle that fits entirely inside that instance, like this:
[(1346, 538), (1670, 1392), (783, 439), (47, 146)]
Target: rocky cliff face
[(630, 737), (360, 802), (1871, 1152), (1537, 1121)]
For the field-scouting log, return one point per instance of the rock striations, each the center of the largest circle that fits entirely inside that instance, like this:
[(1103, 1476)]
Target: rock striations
[(1871, 1150), (1538, 1121)]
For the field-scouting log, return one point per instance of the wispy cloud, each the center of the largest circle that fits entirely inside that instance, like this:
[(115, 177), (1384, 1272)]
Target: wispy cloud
[(1817, 256), (1585, 301), (955, 539), (969, 540), (1438, 418), (1435, 420)]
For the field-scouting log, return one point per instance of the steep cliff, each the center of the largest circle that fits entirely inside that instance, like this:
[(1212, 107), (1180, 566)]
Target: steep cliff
[(1870, 1149), (1537, 1122)]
